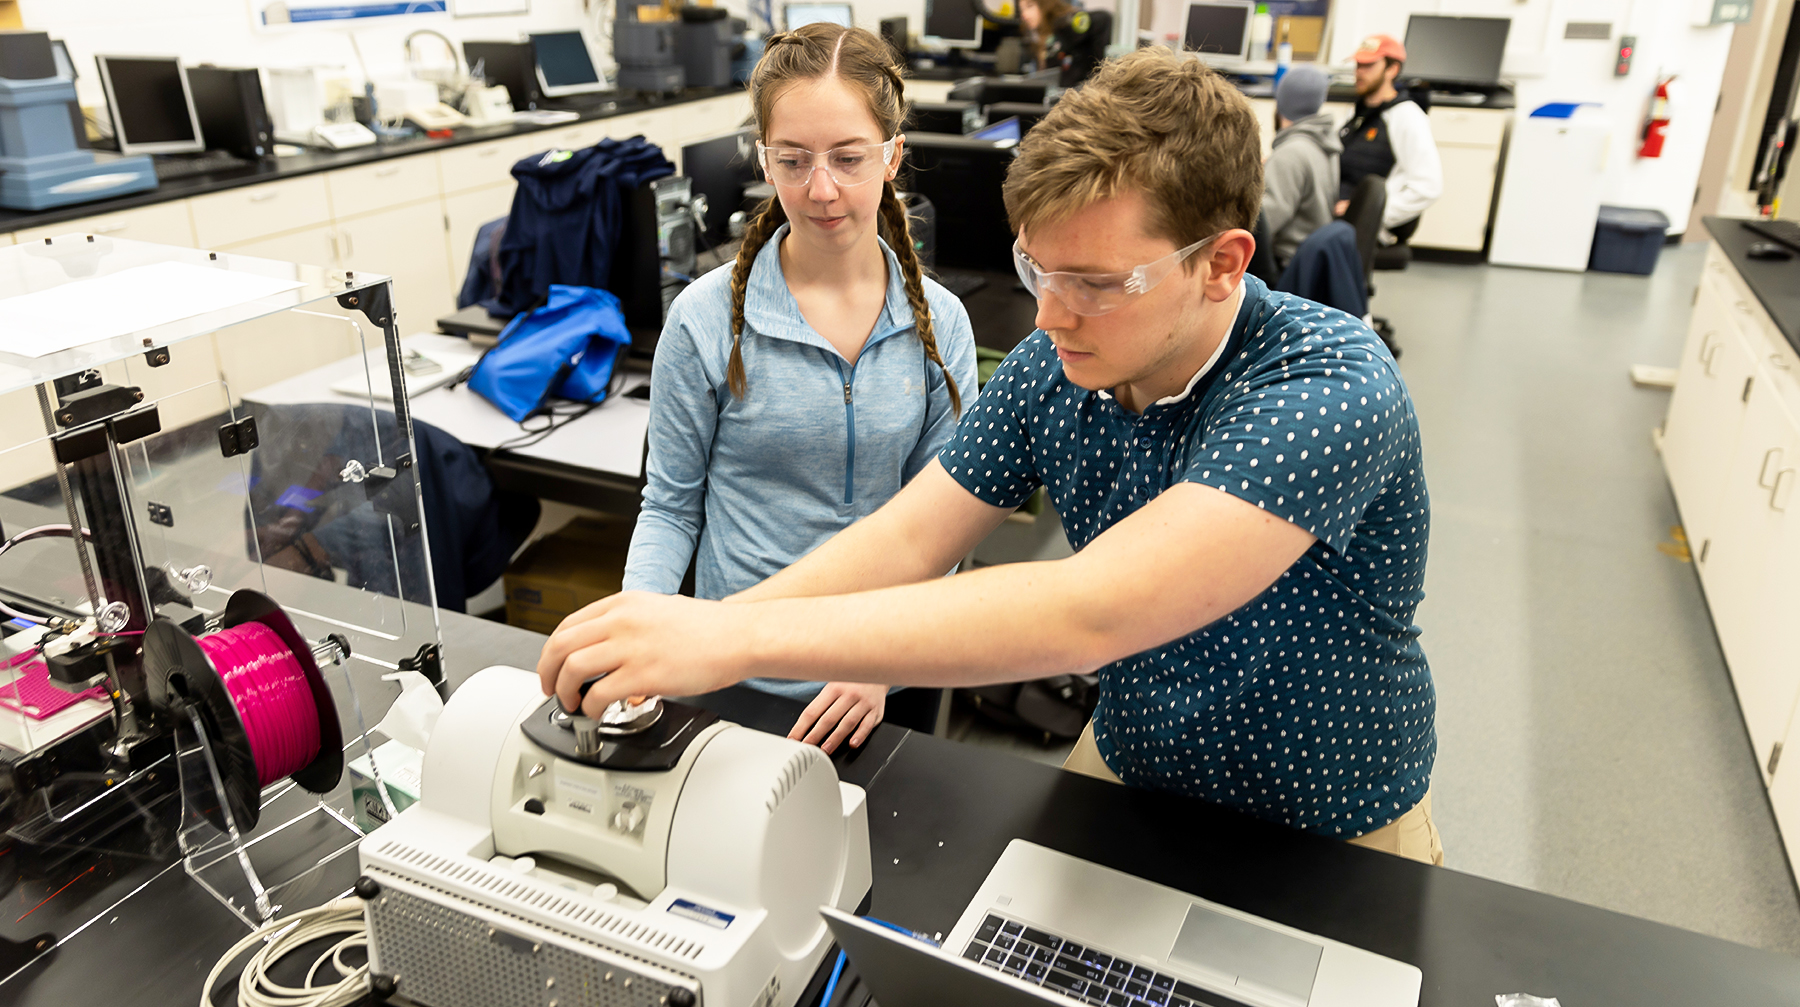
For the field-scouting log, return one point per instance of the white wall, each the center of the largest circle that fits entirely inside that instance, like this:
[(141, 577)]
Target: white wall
[(221, 31), (1549, 68)]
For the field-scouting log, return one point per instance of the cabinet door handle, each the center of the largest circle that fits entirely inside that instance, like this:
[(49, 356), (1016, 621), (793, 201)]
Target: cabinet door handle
[(1771, 459), (111, 228), (395, 170), (349, 247), (1784, 488), (263, 197), (337, 251), (488, 152), (1707, 354)]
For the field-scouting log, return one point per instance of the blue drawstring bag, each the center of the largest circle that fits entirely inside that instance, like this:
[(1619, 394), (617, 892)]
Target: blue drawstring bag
[(565, 349)]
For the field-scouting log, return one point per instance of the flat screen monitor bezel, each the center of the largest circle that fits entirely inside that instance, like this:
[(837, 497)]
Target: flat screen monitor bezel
[(954, 43), (126, 146), (561, 90), (1242, 55), (1460, 78), (849, 10), (60, 50)]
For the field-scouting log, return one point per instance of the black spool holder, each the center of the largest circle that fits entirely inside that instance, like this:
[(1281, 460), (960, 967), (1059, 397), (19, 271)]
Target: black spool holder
[(179, 676)]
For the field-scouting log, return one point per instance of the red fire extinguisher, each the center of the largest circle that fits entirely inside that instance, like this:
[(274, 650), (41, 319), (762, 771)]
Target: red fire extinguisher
[(1656, 127)]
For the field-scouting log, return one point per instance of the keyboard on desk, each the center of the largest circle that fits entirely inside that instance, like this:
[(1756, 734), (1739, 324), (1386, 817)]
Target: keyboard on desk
[(169, 166), (1083, 974), (1786, 232)]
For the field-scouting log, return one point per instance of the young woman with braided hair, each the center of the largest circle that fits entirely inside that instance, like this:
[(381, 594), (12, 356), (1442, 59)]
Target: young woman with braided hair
[(796, 392)]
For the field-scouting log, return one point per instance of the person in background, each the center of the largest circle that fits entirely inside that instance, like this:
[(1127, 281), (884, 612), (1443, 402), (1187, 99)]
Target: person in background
[(796, 392), (1300, 179), (1389, 135), (1066, 38)]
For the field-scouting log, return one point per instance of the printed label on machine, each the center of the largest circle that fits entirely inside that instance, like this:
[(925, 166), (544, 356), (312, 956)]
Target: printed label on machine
[(577, 796), (701, 914)]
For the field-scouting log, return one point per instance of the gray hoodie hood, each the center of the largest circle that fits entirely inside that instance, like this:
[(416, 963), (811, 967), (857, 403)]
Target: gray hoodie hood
[(1318, 128)]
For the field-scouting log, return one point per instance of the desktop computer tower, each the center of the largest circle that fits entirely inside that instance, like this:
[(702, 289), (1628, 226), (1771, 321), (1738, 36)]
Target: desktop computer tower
[(962, 177), (951, 117), (894, 33), (233, 116), (513, 65)]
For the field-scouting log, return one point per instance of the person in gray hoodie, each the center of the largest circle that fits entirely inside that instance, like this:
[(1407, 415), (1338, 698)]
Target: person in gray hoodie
[(1300, 180)]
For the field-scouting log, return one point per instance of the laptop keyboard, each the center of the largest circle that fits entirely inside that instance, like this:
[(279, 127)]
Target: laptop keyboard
[(1082, 974)]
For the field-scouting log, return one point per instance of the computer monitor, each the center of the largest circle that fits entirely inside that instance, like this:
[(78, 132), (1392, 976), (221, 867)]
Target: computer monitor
[(799, 15), (1005, 129), (564, 65), (720, 169), (506, 64), (1219, 31), (151, 106), (1456, 50), (953, 23), (65, 67), (963, 178)]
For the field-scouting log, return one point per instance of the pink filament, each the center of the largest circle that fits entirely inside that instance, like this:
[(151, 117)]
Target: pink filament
[(269, 689)]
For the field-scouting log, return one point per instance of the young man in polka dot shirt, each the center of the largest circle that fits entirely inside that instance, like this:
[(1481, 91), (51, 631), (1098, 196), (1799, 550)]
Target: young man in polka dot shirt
[(1238, 470)]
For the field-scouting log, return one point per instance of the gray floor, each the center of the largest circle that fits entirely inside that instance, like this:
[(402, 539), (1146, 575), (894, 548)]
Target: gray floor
[(1590, 741)]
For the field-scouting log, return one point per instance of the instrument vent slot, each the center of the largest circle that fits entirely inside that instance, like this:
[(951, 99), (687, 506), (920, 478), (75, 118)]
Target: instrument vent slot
[(791, 775), (520, 892)]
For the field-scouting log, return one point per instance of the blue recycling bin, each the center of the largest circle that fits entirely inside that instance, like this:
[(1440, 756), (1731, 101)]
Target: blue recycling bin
[(1628, 240)]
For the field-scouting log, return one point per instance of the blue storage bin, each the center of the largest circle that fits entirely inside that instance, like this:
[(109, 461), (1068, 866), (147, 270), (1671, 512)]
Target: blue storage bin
[(1627, 240)]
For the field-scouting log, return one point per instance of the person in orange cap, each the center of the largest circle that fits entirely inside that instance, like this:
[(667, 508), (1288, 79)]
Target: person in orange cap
[(1389, 135)]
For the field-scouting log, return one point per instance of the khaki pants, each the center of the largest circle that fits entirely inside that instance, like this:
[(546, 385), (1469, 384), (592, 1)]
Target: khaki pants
[(1412, 835)]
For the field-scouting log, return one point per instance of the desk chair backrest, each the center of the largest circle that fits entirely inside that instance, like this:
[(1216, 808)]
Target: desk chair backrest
[(1262, 261), (1367, 203)]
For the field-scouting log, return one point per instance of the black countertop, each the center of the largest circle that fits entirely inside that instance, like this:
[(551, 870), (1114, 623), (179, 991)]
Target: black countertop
[(315, 160), (1775, 282), (940, 814)]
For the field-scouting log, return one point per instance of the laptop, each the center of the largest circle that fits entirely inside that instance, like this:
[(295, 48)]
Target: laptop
[(1050, 928)]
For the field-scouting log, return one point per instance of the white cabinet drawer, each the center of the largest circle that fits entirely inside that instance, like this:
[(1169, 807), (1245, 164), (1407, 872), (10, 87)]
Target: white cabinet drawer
[(257, 211), (481, 164), (1484, 127), (382, 185), (164, 223)]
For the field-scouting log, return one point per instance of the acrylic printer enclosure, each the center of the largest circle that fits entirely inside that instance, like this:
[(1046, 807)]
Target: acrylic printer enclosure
[(170, 470)]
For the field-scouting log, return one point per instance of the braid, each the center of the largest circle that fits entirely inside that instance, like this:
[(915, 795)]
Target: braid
[(899, 238), (767, 221)]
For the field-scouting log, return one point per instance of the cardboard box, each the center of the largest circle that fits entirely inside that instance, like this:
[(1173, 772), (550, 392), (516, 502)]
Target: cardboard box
[(560, 573), (401, 768)]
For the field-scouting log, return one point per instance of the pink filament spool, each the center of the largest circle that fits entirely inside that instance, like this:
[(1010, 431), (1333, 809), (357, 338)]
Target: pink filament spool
[(269, 689)]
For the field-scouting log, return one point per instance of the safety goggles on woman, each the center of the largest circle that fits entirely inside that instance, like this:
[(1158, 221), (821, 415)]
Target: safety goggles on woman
[(793, 166), (1098, 293)]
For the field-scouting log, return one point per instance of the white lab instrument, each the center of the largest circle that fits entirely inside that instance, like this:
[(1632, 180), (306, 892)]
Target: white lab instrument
[(671, 859), (341, 135), (487, 104)]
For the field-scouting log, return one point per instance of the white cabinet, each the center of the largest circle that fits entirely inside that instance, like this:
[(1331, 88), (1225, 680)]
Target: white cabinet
[(384, 184), (1468, 142), (406, 243), (164, 223), (1731, 448), (1705, 413), (464, 213), (257, 211)]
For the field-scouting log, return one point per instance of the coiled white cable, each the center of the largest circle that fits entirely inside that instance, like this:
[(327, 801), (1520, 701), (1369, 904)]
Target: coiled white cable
[(279, 938)]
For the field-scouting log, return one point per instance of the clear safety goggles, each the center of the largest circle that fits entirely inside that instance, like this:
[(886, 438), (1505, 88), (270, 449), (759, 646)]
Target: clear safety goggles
[(1098, 293), (794, 166)]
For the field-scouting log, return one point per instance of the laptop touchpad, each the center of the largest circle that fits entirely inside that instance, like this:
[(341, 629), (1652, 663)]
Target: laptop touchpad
[(1226, 945)]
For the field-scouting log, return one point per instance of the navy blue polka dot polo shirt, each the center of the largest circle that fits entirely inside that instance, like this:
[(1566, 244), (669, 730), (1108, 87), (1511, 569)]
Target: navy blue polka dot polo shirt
[(1312, 705)]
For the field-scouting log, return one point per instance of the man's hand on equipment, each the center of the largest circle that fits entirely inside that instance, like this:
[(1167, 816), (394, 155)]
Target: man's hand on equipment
[(839, 709), (643, 644)]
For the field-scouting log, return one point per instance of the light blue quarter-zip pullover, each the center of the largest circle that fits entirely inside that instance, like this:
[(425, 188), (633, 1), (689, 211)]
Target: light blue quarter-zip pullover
[(747, 486)]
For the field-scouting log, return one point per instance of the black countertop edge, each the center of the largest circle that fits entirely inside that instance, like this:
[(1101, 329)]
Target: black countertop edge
[(1775, 282), (316, 160)]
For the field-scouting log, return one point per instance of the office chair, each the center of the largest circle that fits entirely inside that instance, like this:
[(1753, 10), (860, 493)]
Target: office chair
[(1262, 261), (1367, 203)]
